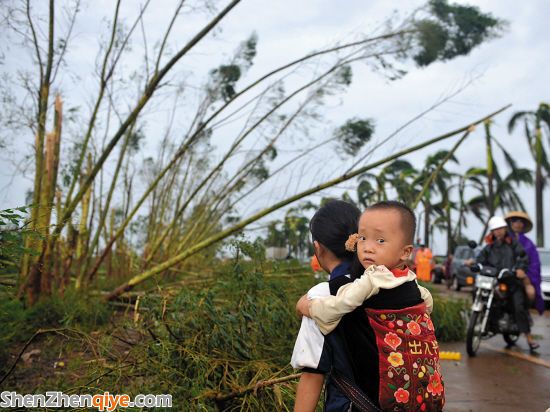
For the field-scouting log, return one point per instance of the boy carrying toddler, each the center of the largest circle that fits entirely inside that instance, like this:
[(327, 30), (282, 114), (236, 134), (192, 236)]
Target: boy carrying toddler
[(408, 353)]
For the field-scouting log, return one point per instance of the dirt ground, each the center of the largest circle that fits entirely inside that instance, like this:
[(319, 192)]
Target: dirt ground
[(498, 379)]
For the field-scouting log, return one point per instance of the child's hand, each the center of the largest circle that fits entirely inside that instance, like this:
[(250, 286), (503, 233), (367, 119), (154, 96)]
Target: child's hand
[(302, 307)]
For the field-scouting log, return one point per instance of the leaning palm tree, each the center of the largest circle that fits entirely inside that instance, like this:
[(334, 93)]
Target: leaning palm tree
[(536, 120)]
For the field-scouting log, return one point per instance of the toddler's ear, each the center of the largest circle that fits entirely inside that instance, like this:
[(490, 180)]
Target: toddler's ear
[(407, 252)]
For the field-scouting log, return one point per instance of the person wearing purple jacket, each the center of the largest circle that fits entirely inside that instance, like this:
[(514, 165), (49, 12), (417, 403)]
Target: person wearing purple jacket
[(520, 223)]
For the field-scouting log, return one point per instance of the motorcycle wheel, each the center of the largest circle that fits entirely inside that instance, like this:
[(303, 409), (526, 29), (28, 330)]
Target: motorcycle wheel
[(456, 285), (510, 339), (473, 334)]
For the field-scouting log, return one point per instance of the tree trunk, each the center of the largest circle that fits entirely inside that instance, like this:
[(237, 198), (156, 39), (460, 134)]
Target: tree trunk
[(539, 188), (427, 212), (490, 172), (39, 270), (83, 234), (450, 245)]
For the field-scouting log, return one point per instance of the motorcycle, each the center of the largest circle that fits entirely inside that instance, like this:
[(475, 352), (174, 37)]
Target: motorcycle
[(492, 308)]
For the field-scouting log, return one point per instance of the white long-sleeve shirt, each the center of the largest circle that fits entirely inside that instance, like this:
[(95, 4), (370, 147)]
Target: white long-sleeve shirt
[(327, 311)]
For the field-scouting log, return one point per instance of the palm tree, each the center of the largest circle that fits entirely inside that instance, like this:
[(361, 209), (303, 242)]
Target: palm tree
[(440, 185), (505, 192), (296, 229), (465, 181), (369, 188), (536, 119), (396, 174), (490, 167)]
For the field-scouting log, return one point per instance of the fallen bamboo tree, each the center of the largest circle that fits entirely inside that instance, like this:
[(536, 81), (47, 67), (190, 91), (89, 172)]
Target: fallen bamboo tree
[(228, 232)]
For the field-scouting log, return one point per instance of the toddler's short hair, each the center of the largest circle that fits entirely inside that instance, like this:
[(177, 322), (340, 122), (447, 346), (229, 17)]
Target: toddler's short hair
[(408, 219)]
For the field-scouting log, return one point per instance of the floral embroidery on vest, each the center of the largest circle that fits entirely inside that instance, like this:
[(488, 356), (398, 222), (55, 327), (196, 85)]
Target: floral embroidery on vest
[(410, 374)]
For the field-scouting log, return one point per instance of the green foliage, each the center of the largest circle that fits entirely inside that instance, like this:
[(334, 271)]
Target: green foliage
[(135, 140), (433, 39), (220, 335), (365, 192), (449, 319), (292, 231), (259, 172), (345, 75), (453, 30), (534, 121), (222, 339), (354, 134), (12, 236), (275, 236), (226, 76)]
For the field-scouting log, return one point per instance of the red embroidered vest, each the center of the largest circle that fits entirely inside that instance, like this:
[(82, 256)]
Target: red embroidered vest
[(408, 353)]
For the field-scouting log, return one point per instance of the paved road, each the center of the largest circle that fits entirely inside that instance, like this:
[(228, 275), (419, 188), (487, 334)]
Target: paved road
[(498, 379)]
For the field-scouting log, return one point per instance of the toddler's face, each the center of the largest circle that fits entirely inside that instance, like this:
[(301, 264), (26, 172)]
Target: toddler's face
[(381, 239)]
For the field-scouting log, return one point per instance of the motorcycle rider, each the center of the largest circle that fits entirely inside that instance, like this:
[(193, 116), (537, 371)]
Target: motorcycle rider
[(504, 252), (521, 223)]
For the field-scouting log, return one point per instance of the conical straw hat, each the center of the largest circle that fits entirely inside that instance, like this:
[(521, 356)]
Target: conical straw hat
[(522, 215)]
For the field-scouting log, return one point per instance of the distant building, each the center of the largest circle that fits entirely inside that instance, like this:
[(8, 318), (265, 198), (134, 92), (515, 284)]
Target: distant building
[(276, 253)]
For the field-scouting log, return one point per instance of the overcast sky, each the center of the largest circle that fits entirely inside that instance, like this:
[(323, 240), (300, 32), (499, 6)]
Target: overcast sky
[(512, 69)]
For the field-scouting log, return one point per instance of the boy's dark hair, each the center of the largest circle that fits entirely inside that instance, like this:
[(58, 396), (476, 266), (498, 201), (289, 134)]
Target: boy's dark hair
[(408, 219), (332, 224)]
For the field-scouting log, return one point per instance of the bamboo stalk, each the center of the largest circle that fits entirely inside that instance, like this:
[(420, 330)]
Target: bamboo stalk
[(246, 169), (148, 93), (58, 249), (110, 255), (212, 172), (45, 213), (225, 233), (104, 78), (105, 211), (31, 263), (48, 193), (160, 74), (83, 233)]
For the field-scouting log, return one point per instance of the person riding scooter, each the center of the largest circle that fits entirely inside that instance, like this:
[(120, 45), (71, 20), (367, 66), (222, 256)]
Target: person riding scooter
[(521, 223), (503, 251)]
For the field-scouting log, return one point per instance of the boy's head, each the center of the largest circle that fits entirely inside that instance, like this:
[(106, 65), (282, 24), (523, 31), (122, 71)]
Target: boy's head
[(330, 227), (386, 233)]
